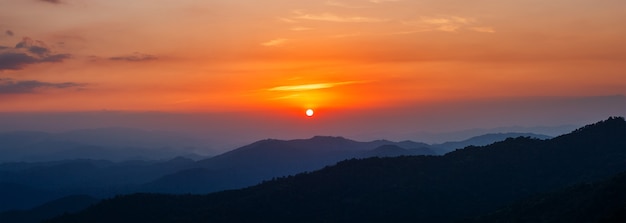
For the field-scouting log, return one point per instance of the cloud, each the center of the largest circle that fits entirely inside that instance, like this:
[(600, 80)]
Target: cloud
[(52, 1), (274, 42), (448, 24), (10, 86), (28, 52), (135, 57), (301, 28), (309, 87), (483, 29), (343, 5), (286, 20), (9, 33), (328, 17), (383, 1)]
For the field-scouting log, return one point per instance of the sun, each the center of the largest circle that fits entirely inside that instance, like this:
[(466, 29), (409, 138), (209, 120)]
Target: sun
[(309, 112)]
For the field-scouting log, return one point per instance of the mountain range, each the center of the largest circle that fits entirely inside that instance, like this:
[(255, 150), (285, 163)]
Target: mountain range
[(116, 144), (24, 185), (459, 186)]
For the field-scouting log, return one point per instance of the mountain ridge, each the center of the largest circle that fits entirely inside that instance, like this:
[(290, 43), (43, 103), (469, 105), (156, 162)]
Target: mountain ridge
[(463, 183)]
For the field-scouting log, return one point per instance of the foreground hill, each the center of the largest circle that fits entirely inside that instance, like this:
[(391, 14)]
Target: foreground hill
[(462, 184), (603, 201)]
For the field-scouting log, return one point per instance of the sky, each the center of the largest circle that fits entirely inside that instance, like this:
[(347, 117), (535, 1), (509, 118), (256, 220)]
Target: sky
[(369, 68)]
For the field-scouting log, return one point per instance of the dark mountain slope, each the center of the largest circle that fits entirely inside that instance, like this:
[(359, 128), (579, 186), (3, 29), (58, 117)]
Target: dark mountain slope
[(50, 209), (603, 201), (465, 183)]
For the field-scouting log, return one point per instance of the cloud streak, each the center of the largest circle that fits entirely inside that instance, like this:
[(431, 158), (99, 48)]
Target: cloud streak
[(10, 86), (28, 52), (382, 1), (274, 42), (483, 29), (448, 24), (309, 87), (135, 57), (343, 5), (329, 17), (52, 1)]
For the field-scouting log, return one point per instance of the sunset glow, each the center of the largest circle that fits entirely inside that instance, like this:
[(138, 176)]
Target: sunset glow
[(283, 56)]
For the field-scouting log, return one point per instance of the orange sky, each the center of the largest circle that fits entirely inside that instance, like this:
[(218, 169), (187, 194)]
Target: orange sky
[(243, 55)]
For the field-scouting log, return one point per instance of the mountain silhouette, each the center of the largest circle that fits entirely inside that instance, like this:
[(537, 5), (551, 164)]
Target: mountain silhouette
[(460, 185), (267, 159), (116, 144), (602, 201), (21, 196), (50, 209), (25, 185), (482, 140), (34, 183)]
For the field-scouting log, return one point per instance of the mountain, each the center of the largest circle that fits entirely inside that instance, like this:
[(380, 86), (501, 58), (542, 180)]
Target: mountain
[(20, 196), (50, 209), (482, 140), (267, 159), (395, 150), (25, 185), (246, 166), (462, 184), (602, 201), (115, 144)]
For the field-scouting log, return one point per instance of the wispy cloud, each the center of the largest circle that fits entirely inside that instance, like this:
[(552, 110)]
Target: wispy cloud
[(329, 17), (28, 52), (309, 87), (286, 20), (135, 57), (52, 1), (301, 28), (483, 29), (448, 24), (383, 1), (343, 5), (274, 42), (10, 86), (9, 33)]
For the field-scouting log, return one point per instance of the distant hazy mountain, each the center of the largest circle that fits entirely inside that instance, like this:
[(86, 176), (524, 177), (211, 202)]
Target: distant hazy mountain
[(20, 196), (482, 140), (470, 182), (50, 209), (266, 159), (25, 185), (107, 143), (392, 150)]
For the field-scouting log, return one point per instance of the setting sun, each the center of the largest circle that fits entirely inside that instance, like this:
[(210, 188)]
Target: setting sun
[(309, 112)]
